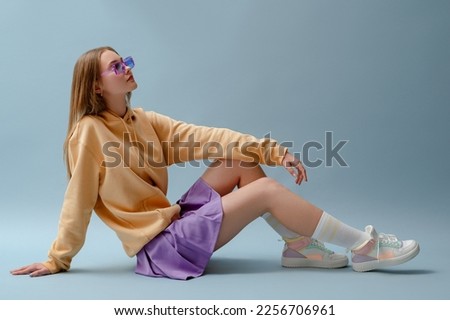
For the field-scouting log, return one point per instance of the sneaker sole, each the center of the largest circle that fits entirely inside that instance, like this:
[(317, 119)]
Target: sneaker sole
[(308, 263), (377, 264)]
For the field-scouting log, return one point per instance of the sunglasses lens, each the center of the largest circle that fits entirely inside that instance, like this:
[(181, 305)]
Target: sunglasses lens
[(118, 68), (129, 62)]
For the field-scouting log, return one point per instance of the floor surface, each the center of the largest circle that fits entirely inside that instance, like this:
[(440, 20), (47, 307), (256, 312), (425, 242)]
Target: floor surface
[(247, 268)]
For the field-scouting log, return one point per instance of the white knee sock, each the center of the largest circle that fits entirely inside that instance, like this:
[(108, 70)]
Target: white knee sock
[(279, 228), (331, 230)]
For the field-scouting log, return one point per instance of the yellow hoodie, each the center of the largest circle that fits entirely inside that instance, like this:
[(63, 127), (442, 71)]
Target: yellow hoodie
[(119, 169)]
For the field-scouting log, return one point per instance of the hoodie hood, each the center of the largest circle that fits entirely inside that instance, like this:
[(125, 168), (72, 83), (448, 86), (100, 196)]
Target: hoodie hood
[(111, 116)]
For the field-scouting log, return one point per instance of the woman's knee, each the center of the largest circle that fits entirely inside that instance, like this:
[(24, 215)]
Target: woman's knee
[(269, 186)]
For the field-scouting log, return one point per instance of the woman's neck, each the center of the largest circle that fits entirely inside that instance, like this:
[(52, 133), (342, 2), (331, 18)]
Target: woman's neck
[(118, 107)]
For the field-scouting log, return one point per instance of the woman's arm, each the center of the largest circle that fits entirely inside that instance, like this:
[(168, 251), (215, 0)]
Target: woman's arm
[(184, 142), (79, 201)]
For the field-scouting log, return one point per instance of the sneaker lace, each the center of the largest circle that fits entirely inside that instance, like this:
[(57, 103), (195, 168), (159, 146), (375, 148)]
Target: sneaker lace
[(388, 239), (320, 245)]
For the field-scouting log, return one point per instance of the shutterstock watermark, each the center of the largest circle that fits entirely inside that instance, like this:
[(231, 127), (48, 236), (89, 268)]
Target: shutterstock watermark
[(191, 152), (330, 150)]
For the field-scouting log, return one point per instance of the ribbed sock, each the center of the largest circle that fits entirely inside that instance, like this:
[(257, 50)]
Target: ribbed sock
[(331, 230), (284, 232)]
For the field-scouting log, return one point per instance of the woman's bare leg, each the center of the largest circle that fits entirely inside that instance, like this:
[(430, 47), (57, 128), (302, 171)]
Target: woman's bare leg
[(256, 195), (225, 175)]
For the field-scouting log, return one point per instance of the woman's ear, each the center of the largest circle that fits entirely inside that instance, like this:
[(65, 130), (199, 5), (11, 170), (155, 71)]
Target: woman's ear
[(98, 89)]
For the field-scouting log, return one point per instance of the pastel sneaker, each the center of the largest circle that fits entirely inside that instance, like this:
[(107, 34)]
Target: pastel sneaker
[(383, 250), (305, 252)]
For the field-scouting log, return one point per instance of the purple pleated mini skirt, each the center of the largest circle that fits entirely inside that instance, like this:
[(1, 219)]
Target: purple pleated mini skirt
[(184, 248)]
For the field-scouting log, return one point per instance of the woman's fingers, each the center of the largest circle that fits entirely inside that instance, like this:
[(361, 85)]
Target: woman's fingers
[(34, 270)]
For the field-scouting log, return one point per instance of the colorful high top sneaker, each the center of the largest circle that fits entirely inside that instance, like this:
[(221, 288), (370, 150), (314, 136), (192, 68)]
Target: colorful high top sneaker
[(384, 250), (305, 252)]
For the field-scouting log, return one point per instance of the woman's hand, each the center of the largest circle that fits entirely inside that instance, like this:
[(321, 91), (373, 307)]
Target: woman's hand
[(33, 270), (295, 168)]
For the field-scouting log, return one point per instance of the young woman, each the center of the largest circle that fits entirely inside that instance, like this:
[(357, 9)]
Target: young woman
[(117, 159)]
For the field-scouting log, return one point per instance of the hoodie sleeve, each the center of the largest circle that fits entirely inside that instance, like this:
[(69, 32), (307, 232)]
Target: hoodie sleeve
[(79, 201), (184, 142)]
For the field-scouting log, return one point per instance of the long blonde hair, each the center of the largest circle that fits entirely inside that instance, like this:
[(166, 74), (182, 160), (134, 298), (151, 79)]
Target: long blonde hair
[(84, 99)]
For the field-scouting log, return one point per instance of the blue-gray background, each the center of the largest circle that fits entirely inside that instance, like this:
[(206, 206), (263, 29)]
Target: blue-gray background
[(375, 73)]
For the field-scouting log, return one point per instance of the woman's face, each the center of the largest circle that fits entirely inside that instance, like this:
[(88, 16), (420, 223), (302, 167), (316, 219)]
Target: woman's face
[(112, 84)]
